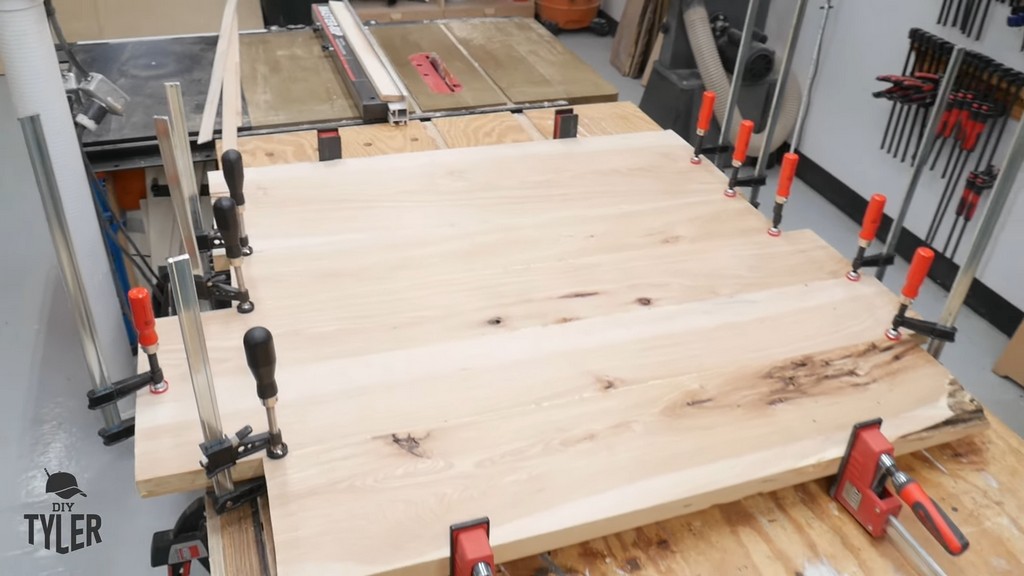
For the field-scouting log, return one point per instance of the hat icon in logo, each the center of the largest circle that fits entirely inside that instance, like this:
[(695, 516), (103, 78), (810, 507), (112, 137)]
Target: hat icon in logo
[(62, 484)]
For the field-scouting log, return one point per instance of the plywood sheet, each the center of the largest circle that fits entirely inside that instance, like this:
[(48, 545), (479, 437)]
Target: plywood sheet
[(384, 139), (571, 337), (287, 79), (481, 130), (603, 119), (528, 63), (279, 148), (401, 42), (85, 20)]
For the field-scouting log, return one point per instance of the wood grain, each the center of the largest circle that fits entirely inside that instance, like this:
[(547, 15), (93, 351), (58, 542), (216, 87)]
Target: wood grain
[(232, 540), (275, 149), (604, 119), (481, 130), (529, 64), (544, 333), (288, 79), (381, 140), (401, 42)]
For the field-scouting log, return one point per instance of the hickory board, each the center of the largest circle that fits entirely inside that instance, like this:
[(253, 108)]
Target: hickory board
[(572, 337)]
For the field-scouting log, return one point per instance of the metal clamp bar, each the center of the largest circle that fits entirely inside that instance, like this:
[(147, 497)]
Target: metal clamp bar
[(183, 158), (53, 207), (178, 200), (186, 302), (948, 79), (812, 75), (912, 549), (1001, 191), (780, 84), (737, 77)]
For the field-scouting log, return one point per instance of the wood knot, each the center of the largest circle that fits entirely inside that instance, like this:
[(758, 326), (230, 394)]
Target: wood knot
[(644, 301), (496, 321)]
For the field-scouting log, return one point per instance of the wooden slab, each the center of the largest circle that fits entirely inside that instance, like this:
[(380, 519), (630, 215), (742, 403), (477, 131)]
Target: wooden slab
[(481, 130), (401, 42), (287, 79), (274, 149), (571, 337), (381, 139), (602, 119), (529, 64)]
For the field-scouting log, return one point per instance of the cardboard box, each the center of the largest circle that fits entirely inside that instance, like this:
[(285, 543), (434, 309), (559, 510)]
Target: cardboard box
[(1011, 363)]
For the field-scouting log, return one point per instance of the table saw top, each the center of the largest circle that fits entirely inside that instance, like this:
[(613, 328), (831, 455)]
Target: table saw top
[(288, 80)]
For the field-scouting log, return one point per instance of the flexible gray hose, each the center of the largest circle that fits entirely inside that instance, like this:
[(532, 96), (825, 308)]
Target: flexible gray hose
[(716, 79)]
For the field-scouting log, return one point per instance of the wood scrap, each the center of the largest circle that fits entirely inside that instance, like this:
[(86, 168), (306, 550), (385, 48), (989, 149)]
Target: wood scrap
[(231, 104), (220, 62)]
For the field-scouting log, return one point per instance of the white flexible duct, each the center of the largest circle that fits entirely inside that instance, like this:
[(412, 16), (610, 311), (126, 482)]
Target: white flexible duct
[(33, 75), (717, 79)]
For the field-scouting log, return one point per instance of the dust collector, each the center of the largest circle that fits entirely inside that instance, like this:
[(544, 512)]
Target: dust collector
[(699, 53)]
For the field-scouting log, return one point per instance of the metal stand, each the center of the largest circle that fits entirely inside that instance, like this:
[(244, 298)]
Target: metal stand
[(948, 79), (53, 207), (986, 229), (769, 132)]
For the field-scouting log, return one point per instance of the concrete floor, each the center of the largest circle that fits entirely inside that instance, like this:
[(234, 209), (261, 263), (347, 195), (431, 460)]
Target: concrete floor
[(48, 426)]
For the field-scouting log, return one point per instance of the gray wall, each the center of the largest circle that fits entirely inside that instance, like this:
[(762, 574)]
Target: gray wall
[(866, 38)]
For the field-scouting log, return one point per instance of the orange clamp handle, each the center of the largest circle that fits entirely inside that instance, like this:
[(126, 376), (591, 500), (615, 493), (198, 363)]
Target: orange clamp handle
[(142, 316), (707, 111), (919, 267), (934, 518), (739, 155), (787, 173), (872, 218)]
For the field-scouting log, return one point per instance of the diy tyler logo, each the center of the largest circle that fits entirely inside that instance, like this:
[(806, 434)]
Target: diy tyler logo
[(63, 530)]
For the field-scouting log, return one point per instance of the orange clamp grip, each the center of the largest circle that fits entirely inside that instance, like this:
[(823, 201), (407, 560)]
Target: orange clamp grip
[(142, 316), (707, 111), (739, 156), (919, 267), (789, 162), (934, 518), (872, 218)]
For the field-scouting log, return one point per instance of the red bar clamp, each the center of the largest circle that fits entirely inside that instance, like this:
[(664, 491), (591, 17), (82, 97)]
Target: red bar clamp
[(567, 123), (869, 228), (786, 175), (919, 268), (470, 549), (860, 487)]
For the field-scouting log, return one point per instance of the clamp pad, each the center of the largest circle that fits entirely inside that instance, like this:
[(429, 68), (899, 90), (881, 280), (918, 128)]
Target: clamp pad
[(470, 545)]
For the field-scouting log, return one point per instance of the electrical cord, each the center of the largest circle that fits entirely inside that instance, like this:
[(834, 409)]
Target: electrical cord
[(62, 43)]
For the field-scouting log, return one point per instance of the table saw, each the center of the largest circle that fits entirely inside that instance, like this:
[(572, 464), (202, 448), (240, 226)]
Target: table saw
[(291, 80), (788, 530)]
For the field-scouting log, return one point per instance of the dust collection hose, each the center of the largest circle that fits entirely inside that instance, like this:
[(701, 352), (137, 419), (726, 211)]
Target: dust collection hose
[(716, 79)]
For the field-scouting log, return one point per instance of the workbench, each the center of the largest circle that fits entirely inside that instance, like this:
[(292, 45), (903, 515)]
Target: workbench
[(797, 530), (289, 82)]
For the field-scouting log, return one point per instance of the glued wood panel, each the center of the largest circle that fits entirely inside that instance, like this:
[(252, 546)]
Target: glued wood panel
[(401, 42), (529, 64), (604, 119), (572, 337), (481, 130)]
